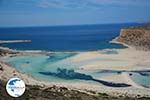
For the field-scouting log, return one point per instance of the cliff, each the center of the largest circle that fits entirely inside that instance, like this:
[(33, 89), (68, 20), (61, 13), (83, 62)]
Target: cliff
[(138, 37)]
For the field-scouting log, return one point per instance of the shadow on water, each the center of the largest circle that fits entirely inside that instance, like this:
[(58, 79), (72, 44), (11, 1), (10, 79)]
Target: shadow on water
[(141, 72), (71, 74), (137, 76), (57, 57)]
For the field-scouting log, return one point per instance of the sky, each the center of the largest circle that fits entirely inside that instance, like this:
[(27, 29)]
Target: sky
[(71, 12)]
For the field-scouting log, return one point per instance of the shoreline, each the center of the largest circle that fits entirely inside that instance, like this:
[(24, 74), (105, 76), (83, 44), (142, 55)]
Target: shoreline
[(117, 42), (82, 87), (9, 72)]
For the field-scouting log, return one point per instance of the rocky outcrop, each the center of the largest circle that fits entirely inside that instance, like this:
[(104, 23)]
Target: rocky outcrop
[(138, 37), (6, 51)]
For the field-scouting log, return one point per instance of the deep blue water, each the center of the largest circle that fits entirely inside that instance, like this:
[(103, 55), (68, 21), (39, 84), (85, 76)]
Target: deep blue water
[(64, 38)]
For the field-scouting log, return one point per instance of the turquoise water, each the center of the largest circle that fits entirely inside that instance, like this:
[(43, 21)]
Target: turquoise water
[(64, 38), (141, 80), (32, 65)]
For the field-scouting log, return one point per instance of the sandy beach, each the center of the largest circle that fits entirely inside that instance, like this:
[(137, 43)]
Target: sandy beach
[(9, 72), (125, 59), (128, 58)]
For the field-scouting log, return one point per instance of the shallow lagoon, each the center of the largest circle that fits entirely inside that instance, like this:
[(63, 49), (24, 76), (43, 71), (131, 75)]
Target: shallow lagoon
[(32, 65), (143, 80)]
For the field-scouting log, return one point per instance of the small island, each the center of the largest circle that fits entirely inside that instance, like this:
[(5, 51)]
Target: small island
[(15, 41)]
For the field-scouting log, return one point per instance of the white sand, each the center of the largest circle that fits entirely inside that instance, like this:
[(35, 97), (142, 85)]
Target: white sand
[(126, 59), (10, 72)]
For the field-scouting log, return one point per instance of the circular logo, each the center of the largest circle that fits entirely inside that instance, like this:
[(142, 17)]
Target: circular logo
[(15, 87)]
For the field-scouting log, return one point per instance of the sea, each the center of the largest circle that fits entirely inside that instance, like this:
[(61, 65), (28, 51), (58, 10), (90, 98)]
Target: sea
[(64, 38), (55, 67)]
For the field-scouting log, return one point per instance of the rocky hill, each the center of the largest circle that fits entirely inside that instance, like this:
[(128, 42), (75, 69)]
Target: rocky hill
[(60, 93), (138, 37)]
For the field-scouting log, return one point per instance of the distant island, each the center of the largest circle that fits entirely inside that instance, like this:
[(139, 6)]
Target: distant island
[(14, 41)]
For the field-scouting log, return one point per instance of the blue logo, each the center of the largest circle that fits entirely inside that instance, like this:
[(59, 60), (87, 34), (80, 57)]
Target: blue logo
[(15, 87)]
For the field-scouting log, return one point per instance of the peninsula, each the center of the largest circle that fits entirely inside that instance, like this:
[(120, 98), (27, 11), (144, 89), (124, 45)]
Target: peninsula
[(14, 41), (118, 86), (138, 37)]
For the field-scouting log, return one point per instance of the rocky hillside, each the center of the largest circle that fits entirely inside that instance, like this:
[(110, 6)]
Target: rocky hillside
[(138, 37), (59, 93)]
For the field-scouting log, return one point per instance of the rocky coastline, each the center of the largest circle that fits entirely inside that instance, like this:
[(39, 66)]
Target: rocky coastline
[(137, 37), (42, 90)]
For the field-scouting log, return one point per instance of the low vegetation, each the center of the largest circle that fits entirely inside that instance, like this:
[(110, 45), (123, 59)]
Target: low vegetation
[(59, 93)]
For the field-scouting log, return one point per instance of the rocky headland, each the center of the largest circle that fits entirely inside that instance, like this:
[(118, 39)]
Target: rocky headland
[(44, 90), (138, 37)]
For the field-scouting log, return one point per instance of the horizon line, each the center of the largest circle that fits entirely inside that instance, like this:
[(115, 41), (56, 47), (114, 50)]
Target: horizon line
[(28, 26)]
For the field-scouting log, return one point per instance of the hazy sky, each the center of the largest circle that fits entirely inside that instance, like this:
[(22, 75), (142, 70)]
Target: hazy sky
[(70, 12)]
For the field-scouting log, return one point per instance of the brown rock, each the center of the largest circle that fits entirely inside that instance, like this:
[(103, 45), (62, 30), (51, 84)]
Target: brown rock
[(138, 37)]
